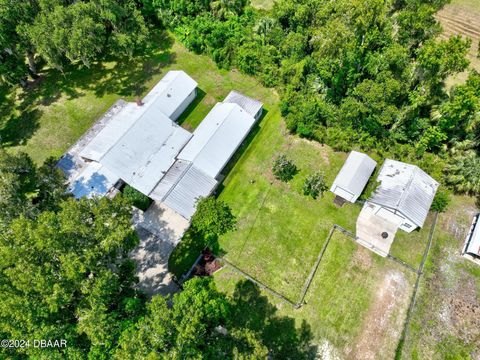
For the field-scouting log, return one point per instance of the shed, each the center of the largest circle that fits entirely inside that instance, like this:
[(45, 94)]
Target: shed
[(471, 249), (353, 176), (250, 105)]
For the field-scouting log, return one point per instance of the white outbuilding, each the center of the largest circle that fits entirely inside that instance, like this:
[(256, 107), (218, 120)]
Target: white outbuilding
[(354, 176)]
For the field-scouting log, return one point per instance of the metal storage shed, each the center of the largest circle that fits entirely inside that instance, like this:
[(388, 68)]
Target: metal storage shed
[(353, 177), (472, 243), (217, 138)]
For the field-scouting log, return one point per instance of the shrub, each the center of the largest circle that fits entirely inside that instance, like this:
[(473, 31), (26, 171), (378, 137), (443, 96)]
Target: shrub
[(440, 201), (213, 217), (284, 169), (136, 198), (315, 185)]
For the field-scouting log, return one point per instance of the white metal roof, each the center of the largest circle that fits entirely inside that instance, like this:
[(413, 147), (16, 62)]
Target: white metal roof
[(171, 178), (113, 130), (405, 188), (193, 185), (217, 138), (147, 150), (472, 245), (92, 180), (247, 103), (353, 176), (170, 92)]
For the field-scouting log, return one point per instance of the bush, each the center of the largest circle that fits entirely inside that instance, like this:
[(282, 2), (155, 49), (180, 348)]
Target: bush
[(283, 169), (213, 217), (315, 185), (440, 201), (136, 198)]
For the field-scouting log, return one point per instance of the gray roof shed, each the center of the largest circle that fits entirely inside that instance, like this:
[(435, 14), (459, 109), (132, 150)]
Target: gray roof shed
[(353, 176)]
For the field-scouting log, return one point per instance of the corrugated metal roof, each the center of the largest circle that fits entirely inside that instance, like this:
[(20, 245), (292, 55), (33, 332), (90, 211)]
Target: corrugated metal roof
[(354, 175), (248, 104), (170, 92), (144, 154), (217, 138), (92, 180), (193, 185), (405, 188), (473, 238), (171, 178)]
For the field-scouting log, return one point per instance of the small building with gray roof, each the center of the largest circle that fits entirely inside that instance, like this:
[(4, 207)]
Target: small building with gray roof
[(353, 176)]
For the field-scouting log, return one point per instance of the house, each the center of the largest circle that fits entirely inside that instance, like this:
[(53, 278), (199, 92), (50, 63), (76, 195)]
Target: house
[(353, 177), (471, 249), (402, 200), (142, 145)]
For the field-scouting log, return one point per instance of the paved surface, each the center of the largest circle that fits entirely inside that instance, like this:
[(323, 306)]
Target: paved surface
[(160, 229)]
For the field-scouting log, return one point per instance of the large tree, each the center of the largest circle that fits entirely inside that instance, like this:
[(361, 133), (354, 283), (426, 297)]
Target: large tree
[(67, 275)]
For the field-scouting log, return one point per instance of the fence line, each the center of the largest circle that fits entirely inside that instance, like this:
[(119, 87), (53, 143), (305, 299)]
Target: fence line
[(260, 284), (314, 270), (415, 288)]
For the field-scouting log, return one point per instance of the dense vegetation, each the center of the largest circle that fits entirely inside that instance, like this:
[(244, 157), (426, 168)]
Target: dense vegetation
[(368, 74)]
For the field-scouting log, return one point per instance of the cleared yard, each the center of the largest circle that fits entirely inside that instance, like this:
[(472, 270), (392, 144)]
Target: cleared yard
[(462, 17), (446, 320), (356, 305)]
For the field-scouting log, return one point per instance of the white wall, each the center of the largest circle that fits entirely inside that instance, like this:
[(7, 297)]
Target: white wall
[(184, 105)]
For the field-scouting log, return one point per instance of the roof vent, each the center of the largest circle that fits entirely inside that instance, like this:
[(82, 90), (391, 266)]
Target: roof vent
[(384, 235), (169, 95)]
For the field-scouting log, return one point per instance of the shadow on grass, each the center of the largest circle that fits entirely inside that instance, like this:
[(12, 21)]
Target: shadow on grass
[(241, 150), (198, 99), (284, 340), (124, 76)]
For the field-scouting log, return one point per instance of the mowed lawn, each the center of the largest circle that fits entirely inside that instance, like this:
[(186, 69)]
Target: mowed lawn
[(355, 307)]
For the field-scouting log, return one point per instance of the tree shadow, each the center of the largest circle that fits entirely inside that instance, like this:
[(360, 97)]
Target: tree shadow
[(279, 334), (124, 76)]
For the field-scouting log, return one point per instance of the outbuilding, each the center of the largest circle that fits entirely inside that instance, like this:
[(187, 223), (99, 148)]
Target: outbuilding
[(471, 249), (402, 200), (353, 177)]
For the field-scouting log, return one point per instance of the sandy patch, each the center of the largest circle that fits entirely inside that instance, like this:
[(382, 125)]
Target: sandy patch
[(382, 325)]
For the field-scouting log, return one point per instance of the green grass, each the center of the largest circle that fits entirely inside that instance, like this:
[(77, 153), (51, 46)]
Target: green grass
[(340, 299), (445, 322)]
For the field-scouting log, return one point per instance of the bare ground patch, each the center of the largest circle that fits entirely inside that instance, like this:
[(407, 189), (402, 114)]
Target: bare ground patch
[(382, 325)]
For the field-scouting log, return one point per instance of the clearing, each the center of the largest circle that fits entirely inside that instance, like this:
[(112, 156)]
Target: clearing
[(462, 17)]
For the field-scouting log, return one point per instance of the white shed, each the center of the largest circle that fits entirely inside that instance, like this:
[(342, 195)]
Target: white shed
[(353, 177), (471, 250)]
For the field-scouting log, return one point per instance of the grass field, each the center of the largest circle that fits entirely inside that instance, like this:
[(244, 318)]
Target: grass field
[(462, 17), (446, 319), (355, 297)]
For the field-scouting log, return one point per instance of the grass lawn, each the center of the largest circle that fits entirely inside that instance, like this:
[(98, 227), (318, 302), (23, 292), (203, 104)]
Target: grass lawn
[(352, 290), (446, 320)]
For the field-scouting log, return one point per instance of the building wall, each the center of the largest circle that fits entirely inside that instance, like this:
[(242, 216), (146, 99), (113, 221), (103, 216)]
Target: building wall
[(405, 224), (184, 105)]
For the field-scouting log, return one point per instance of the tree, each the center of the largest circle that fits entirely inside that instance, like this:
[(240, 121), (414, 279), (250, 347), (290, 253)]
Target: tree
[(26, 189), (283, 169), (440, 201), (198, 325), (136, 198), (213, 217), (463, 170), (67, 275), (315, 185), (223, 9)]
